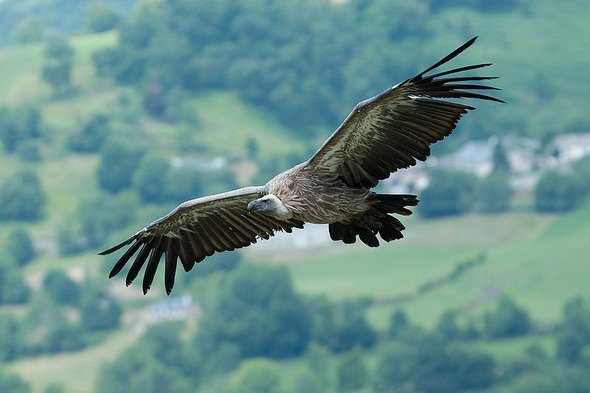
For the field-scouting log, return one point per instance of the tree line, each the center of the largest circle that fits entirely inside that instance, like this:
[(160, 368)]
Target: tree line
[(258, 318)]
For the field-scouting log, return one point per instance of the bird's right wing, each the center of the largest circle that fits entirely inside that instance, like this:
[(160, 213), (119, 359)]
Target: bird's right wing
[(194, 230)]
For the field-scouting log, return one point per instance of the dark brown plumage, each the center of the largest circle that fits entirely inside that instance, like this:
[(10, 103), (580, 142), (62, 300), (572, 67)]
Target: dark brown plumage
[(381, 135)]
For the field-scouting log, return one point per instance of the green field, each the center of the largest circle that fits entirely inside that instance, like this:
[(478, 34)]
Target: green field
[(541, 261)]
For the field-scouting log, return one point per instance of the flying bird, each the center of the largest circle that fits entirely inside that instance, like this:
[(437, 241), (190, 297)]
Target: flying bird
[(380, 136)]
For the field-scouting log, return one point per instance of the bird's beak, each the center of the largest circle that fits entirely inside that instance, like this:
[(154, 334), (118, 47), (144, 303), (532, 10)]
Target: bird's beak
[(253, 206)]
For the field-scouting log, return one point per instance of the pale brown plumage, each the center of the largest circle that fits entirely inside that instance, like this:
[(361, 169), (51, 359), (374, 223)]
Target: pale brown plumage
[(381, 135)]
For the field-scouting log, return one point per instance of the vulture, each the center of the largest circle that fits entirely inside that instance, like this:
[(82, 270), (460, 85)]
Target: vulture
[(380, 136)]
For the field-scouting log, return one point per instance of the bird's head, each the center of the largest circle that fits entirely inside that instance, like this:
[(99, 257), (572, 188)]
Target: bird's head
[(270, 204)]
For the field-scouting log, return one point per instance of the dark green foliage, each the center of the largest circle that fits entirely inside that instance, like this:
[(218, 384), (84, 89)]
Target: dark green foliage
[(449, 193), (104, 61), (500, 158), (12, 383), (58, 63), (12, 344), (159, 362), (19, 125), (258, 376), (150, 177), (555, 378), (49, 329), (258, 311), (57, 16), (427, 364), (182, 184), (494, 193), (61, 288), (13, 289), (29, 30), (22, 197), (20, 246), (95, 219), (29, 151), (157, 182), (100, 17), (574, 333), (341, 327), (398, 323), (117, 166), (448, 327), (292, 59), (480, 5), (558, 192), (92, 135), (352, 372), (98, 310), (509, 319)]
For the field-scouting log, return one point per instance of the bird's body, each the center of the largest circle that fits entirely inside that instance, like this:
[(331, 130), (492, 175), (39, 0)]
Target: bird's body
[(316, 199), (381, 135)]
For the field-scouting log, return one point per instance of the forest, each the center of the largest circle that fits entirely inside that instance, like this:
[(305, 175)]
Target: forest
[(113, 112)]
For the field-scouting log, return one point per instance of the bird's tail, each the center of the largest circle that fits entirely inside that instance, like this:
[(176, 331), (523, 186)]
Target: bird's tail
[(377, 220)]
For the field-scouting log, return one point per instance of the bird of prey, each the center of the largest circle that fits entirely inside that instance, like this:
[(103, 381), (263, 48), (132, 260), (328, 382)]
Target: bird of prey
[(380, 136)]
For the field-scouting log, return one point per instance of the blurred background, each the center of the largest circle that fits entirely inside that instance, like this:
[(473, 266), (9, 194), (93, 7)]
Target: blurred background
[(114, 111)]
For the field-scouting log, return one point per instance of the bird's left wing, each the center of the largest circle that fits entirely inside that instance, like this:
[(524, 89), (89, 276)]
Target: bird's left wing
[(395, 128), (194, 230)]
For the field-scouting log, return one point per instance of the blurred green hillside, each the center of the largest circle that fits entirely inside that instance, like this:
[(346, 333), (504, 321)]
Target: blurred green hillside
[(184, 98)]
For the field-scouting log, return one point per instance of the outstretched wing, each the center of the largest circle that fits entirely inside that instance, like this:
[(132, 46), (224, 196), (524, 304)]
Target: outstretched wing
[(395, 128), (194, 230)]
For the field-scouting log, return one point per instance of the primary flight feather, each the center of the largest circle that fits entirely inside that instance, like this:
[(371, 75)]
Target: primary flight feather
[(381, 135)]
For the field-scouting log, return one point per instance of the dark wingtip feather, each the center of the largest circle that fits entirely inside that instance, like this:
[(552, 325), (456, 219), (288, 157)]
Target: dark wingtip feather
[(448, 57), (118, 246), (124, 259)]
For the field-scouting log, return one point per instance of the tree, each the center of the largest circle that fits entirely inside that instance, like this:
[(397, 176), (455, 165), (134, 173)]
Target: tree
[(19, 125), (12, 343), (58, 63), (574, 333), (49, 330), (352, 372), (20, 246), (258, 311), (12, 383), (509, 319), (98, 310), (22, 197), (494, 193), (500, 158), (398, 323), (427, 364), (258, 376), (117, 166), (182, 184), (341, 327), (61, 288), (92, 135), (557, 192), (448, 327), (29, 30), (94, 220), (100, 17), (139, 371), (13, 289), (150, 178), (449, 193)]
